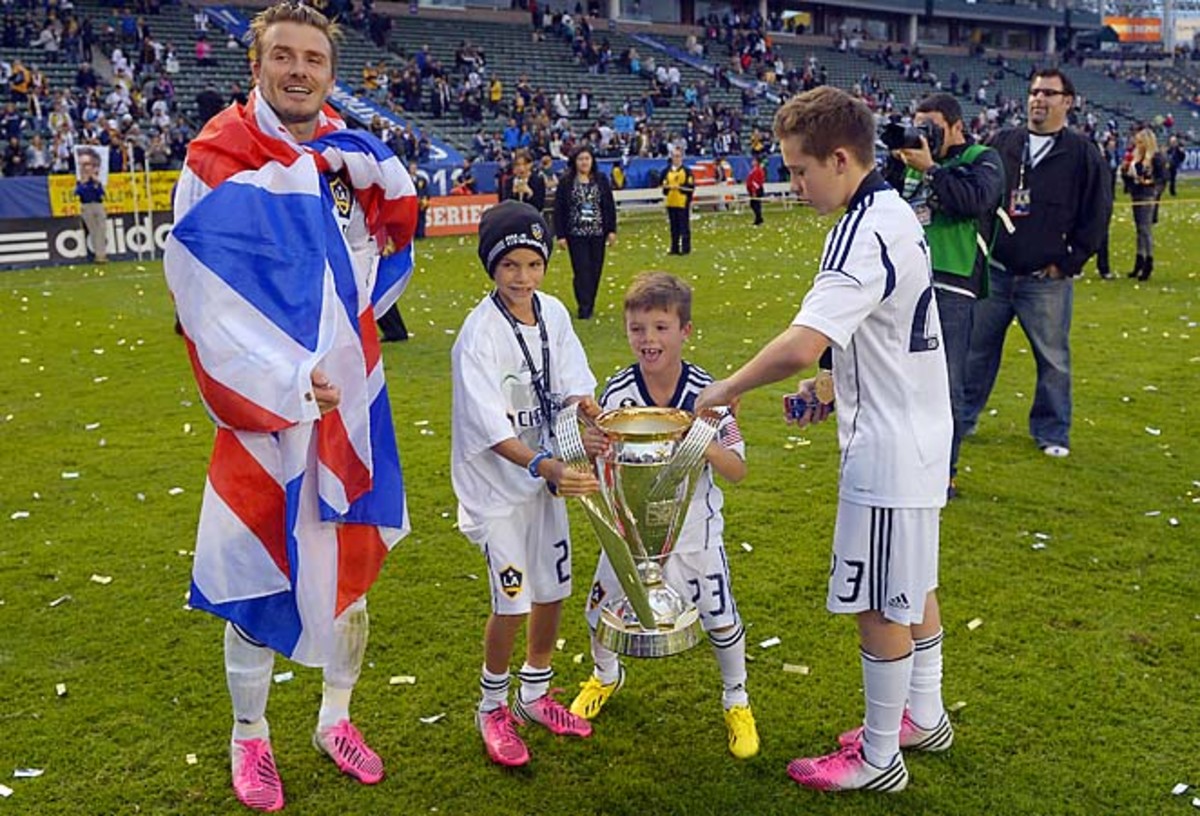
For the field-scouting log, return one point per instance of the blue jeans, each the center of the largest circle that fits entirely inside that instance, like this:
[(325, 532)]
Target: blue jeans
[(956, 313), (1043, 308)]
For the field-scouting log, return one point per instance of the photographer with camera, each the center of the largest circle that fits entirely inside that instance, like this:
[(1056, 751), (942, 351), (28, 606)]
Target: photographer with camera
[(954, 186)]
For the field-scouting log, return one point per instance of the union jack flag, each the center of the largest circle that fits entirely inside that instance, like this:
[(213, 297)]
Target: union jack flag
[(299, 508)]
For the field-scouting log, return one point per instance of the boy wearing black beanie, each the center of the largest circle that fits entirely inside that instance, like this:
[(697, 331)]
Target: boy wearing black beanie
[(515, 363)]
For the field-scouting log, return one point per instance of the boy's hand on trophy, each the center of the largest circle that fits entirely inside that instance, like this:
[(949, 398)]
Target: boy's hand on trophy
[(568, 481), (595, 442), (589, 407)]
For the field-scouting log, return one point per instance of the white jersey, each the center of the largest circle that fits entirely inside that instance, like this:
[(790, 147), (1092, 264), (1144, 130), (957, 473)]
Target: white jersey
[(873, 298), (704, 524), (495, 399)]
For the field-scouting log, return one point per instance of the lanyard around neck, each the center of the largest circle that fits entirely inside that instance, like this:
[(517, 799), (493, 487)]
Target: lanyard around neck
[(540, 379)]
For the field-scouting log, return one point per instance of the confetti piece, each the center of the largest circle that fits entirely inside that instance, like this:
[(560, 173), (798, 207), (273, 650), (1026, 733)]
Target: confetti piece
[(433, 719), (957, 706), (174, 491), (283, 677), (1196, 801), (1174, 522), (59, 600), (20, 514), (421, 423), (191, 759), (6, 791), (28, 773), (101, 579), (99, 379), (975, 623), (747, 546), (795, 668), (1153, 431), (577, 659), (1038, 546), (1180, 789), (1152, 513), (60, 689), (91, 426), (769, 642), (70, 474), (187, 427), (1041, 536), (402, 680), (560, 643)]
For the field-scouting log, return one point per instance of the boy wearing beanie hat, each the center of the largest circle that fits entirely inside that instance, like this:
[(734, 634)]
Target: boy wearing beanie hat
[(515, 363)]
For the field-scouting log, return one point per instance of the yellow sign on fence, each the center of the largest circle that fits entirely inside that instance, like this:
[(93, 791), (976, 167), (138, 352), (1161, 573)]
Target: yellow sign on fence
[(118, 193)]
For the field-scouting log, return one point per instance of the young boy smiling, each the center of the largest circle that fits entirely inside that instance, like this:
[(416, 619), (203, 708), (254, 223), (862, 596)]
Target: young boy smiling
[(658, 321)]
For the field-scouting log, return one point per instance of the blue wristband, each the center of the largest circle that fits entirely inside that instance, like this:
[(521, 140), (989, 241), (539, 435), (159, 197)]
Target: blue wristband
[(537, 459)]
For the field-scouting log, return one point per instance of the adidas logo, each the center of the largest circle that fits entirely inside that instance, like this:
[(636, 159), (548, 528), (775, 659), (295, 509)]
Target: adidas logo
[(898, 602)]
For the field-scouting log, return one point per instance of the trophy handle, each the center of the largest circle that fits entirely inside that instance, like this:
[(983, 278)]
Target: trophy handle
[(602, 516), (689, 456)]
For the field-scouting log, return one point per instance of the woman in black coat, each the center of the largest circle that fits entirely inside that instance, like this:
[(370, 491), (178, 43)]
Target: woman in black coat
[(523, 184), (585, 221)]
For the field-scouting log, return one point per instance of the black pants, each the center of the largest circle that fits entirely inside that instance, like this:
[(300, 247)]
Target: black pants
[(756, 206), (681, 230), (392, 325), (587, 262)]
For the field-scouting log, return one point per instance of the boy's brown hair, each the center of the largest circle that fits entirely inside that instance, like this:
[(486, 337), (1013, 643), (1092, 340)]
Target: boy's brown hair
[(825, 119), (660, 290), (290, 12)]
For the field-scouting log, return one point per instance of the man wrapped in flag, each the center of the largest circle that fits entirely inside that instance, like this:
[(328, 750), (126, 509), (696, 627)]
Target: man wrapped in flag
[(291, 235)]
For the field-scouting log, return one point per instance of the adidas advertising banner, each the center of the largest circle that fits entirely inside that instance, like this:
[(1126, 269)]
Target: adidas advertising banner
[(51, 241)]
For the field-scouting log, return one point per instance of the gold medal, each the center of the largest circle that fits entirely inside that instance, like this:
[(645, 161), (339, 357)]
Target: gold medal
[(823, 386)]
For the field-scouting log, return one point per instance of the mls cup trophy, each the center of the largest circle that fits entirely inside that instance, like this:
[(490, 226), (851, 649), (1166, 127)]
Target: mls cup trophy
[(647, 478)]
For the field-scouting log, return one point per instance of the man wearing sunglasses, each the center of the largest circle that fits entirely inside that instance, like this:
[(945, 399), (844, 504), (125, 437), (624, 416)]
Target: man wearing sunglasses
[(1055, 211)]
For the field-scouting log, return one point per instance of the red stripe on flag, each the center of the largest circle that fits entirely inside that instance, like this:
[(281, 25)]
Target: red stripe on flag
[(230, 407), (251, 493), (370, 338), (336, 453), (360, 557)]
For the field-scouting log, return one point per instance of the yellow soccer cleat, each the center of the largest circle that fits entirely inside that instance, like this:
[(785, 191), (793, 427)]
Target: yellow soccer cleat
[(593, 695), (743, 734)]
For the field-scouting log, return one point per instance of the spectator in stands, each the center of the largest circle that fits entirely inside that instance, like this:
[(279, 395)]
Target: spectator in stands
[(954, 193), (90, 193), (209, 103), (14, 158), (1059, 201), (1144, 173), (37, 157), (523, 184), (236, 94), (204, 57), (585, 223)]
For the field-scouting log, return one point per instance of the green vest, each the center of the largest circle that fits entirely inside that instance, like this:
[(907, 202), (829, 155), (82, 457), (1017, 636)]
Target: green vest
[(953, 242)]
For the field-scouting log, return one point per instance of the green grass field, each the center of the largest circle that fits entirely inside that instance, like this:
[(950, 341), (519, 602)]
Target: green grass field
[(1080, 686)]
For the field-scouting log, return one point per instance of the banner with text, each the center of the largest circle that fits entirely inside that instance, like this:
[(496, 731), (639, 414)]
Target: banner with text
[(456, 215), (119, 194)]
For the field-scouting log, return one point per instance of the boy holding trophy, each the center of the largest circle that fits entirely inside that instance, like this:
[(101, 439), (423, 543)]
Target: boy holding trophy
[(872, 302), (515, 363), (658, 321)]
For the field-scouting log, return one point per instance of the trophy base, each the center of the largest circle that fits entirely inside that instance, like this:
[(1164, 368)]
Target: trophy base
[(630, 639)]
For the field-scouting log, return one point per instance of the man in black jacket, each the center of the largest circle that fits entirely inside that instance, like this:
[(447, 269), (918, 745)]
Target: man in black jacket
[(1057, 202), (954, 186)]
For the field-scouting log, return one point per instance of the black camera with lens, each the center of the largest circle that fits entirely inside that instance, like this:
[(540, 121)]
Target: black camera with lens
[(896, 136)]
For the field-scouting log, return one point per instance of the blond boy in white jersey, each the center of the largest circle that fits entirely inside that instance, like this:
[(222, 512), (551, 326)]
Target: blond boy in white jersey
[(872, 302)]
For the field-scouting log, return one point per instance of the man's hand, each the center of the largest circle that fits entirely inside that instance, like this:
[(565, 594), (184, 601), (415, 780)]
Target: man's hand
[(567, 481), (327, 395), (611, 239), (919, 159), (816, 411), (718, 393)]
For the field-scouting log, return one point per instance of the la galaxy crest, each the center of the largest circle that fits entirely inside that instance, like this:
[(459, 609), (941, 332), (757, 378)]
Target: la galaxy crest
[(511, 581), (341, 196)]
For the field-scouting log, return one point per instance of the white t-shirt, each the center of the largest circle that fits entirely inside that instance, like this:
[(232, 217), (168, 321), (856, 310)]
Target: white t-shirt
[(873, 298), (704, 524), (494, 400)]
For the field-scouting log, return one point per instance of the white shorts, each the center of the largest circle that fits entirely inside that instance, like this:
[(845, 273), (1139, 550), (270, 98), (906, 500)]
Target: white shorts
[(528, 554), (884, 559), (700, 576)]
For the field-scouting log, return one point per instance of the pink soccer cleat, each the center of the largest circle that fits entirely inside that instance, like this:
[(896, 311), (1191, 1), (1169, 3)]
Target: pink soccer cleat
[(255, 777), (912, 736), (847, 769), (552, 714), (343, 743), (499, 729)]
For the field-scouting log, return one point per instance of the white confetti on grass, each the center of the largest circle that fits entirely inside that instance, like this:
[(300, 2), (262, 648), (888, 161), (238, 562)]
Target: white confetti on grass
[(5, 791), (1180, 789), (795, 668), (60, 689), (190, 759), (402, 680), (284, 677), (20, 514), (769, 642), (70, 474), (956, 706), (101, 579), (28, 773), (1153, 431), (433, 719), (91, 426), (61, 599), (174, 491), (974, 624), (747, 546)]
